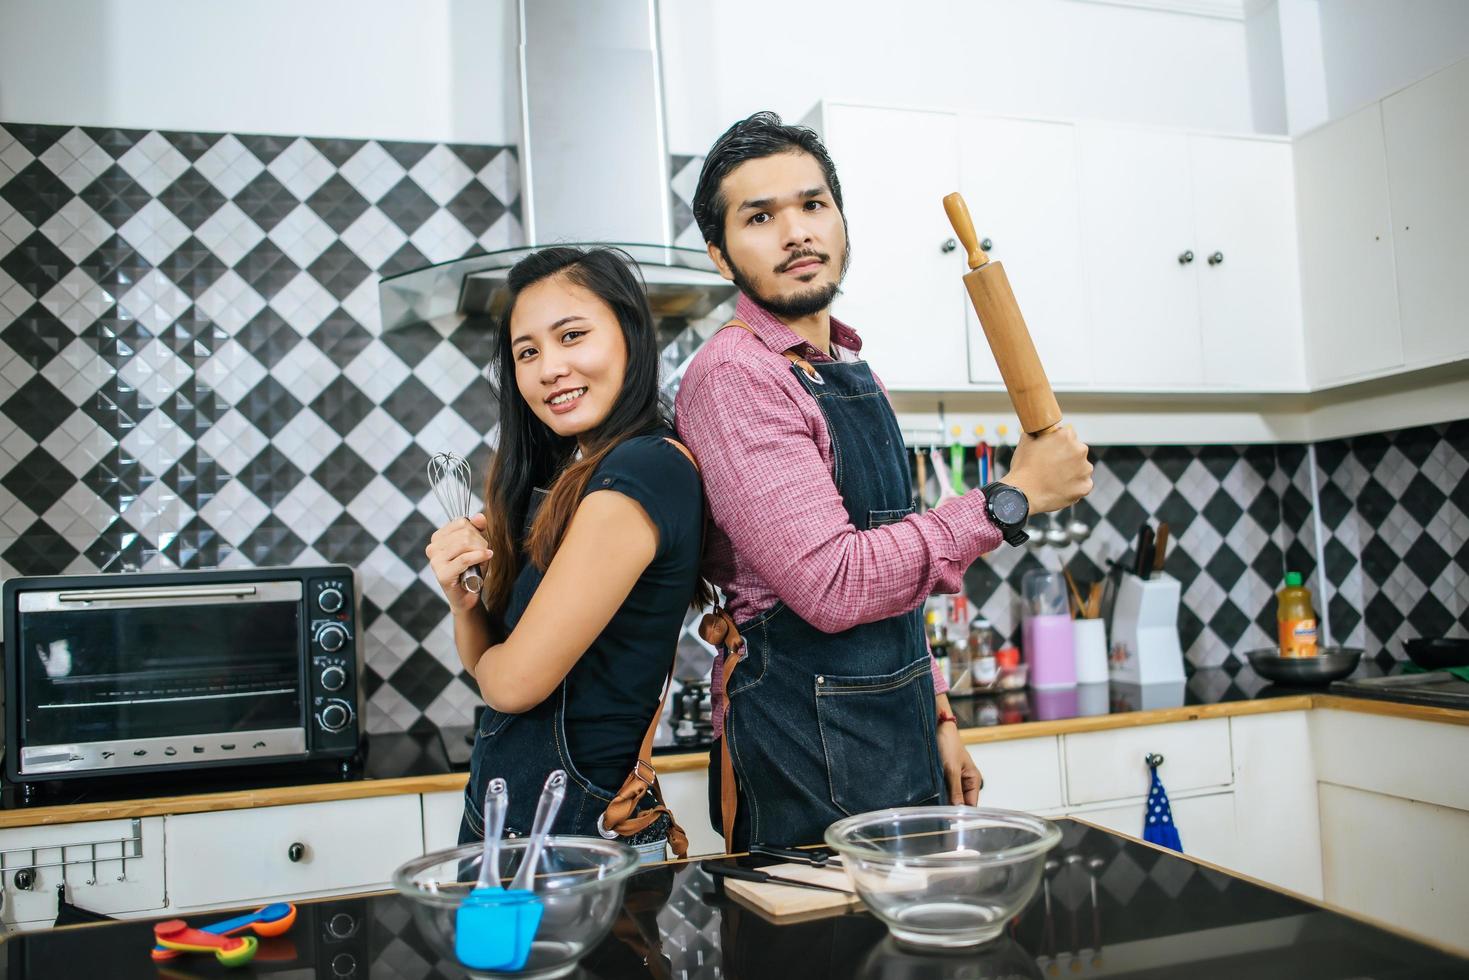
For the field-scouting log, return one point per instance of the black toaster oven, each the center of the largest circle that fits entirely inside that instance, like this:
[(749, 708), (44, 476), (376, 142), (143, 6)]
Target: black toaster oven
[(155, 672)]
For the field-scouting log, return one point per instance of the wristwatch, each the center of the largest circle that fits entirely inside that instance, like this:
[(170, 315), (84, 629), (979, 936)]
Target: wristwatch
[(1008, 508)]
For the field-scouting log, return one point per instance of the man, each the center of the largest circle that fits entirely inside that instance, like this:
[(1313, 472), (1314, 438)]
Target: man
[(827, 703)]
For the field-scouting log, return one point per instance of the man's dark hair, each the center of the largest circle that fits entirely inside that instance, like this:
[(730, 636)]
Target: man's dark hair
[(760, 135)]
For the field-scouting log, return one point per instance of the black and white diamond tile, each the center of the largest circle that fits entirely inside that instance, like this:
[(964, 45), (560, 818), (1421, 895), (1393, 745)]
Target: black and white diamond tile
[(191, 373), (1394, 509)]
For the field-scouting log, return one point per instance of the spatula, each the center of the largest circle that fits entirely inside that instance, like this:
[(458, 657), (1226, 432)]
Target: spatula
[(528, 913), (481, 939)]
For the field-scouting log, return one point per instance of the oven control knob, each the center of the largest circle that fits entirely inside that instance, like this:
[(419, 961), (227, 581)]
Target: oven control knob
[(341, 926), (332, 637), (333, 678), (335, 716), (330, 599)]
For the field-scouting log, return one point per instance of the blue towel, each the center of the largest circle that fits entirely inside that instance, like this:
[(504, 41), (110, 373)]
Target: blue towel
[(1159, 828)]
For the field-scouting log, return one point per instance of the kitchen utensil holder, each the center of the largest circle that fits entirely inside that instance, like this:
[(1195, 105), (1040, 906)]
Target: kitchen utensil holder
[(1145, 646), (129, 848)]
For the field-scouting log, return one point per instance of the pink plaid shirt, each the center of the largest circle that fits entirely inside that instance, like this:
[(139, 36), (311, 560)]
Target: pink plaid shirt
[(779, 530)]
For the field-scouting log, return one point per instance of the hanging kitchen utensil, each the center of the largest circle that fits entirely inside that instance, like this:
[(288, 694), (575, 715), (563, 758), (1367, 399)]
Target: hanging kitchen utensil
[(941, 473), (448, 474), (994, 301), (956, 465), (485, 924), (1078, 530), (1056, 535), (1159, 828), (922, 467)]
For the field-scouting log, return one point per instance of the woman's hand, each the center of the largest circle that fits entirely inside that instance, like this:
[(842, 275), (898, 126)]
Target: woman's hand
[(458, 545), (1051, 469)]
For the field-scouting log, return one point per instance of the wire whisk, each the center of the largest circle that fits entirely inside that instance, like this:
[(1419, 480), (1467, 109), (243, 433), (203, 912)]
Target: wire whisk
[(448, 474)]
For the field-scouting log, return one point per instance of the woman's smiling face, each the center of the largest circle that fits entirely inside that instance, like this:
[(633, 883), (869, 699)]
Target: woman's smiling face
[(570, 355)]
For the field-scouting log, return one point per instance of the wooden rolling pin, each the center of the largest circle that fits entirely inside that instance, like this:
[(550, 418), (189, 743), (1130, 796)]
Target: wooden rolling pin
[(1004, 327)]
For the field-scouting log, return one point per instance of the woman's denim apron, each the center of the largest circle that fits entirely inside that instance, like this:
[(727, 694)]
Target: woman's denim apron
[(524, 749), (824, 725)]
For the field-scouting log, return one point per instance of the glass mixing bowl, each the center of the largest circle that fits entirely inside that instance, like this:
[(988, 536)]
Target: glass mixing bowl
[(579, 884), (944, 876)]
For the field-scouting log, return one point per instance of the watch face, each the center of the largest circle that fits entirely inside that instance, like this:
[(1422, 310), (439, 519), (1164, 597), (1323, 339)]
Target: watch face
[(1009, 506)]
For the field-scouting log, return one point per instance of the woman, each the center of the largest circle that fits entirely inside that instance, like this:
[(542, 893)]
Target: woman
[(592, 533)]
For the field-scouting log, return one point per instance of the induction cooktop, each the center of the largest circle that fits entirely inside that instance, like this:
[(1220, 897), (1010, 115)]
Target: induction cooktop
[(1437, 687)]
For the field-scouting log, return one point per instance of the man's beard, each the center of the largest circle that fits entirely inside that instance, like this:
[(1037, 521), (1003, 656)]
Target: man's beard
[(798, 305)]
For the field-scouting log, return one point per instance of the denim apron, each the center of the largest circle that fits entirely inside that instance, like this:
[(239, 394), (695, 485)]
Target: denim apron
[(825, 725), (524, 749)]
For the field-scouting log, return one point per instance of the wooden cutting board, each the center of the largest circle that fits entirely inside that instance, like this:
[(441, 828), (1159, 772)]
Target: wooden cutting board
[(786, 903)]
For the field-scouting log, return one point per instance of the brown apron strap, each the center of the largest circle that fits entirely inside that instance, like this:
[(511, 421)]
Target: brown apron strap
[(718, 629), (622, 816), (791, 356)]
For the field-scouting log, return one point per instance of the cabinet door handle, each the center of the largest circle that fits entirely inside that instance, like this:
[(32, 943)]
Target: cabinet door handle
[(985, 244), (1216, 258), (1184, 258), (296, 852), (948, 246)]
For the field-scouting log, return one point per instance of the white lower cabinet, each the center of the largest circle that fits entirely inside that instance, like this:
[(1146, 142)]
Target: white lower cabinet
[(1206, 824), (687, 795), (1111, 765), (239, 856), (127, 875), (1400, 861), (441, 815), (1021, 775), (1275, 801), (1394, 810)]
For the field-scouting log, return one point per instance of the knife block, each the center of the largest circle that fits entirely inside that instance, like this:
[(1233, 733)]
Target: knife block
[(1145, 647)]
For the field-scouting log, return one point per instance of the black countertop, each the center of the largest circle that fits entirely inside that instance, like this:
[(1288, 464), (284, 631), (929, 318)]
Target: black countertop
[(1113, 908)]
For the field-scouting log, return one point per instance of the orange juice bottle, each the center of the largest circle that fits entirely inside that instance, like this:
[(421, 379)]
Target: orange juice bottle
[(1296, 618)]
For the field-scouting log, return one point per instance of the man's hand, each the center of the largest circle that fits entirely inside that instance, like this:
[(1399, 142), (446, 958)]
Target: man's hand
[(1051, 469), (961, 776)]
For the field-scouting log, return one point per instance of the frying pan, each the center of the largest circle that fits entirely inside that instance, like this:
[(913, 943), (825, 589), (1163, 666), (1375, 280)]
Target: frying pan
[(1439, 653)]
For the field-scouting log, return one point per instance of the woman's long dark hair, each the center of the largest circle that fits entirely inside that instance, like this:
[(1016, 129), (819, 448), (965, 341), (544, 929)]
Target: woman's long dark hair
[(530, 454)]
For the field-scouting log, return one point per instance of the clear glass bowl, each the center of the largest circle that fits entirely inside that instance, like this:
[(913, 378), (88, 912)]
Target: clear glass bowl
[(944, 876), (580, 882)]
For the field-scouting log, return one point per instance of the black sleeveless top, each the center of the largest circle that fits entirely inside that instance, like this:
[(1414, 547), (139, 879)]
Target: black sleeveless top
[(613, 690)]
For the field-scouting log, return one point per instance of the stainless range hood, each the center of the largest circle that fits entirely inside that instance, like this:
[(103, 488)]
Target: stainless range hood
[(594, 168)]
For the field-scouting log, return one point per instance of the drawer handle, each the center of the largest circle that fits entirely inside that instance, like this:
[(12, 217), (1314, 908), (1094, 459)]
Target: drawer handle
[(1154, 760), (296, 852)]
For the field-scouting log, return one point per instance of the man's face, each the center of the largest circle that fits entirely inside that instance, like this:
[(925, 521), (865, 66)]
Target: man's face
[(785, 243)]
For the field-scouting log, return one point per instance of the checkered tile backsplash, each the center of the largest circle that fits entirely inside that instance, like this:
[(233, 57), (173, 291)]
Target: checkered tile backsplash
[(192, 375), (1394, 508), (192, 372)]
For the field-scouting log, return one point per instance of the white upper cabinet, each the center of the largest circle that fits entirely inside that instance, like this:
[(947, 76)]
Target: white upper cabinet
[(1427, 133), (1137, 221), (1019, 178), (903, 293), (1246, 264), (1348, 292)]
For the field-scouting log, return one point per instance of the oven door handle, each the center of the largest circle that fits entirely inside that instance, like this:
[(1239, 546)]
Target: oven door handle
[(188, 592)]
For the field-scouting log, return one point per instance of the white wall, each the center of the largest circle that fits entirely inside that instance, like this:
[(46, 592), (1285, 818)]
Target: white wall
[(387, 69), (1267, 69), (1370, 49), (1063, 58), (1340, 55)]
